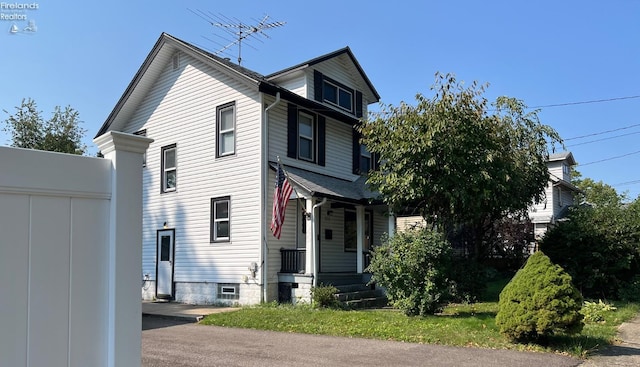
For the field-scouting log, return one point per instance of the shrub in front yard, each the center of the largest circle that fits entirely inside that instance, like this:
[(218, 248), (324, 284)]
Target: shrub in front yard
[(539, 301), (414, 267), (324, 296)]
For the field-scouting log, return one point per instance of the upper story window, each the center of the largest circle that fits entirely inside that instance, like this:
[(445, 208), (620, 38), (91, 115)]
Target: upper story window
[(306, 136), (220, 219), (226, 129), (337, 94), (566, 169), (365, 159), (169, 168)]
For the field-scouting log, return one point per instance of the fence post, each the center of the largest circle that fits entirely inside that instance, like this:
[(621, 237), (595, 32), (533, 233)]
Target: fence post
[(125, 151)]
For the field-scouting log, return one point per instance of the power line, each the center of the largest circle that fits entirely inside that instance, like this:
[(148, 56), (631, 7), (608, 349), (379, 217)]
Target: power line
[(634, 182), (603, 139), (584, 102), (610, 158), (602, 132)]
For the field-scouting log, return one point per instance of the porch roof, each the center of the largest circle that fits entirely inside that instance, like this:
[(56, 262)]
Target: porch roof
[(319, 185)]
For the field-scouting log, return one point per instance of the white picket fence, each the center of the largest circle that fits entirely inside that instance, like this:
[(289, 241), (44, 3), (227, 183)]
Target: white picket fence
[(70, 255)]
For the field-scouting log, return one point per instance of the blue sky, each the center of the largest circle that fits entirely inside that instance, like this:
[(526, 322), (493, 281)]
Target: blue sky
[(545, 53)]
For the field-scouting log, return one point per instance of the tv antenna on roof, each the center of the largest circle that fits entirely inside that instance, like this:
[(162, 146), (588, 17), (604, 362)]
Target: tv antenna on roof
[(240, 31)]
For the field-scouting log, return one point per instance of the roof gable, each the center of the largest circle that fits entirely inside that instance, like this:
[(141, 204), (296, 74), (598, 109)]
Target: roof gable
[(152, 67), (346, 52)]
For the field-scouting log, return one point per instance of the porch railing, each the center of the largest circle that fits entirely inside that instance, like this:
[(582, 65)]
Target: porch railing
[(292, 260)]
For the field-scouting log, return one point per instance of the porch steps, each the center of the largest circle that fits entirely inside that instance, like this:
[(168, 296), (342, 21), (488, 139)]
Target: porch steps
[(359, 296)]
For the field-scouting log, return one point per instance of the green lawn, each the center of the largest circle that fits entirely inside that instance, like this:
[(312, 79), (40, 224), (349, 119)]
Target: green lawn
[(459, 325)]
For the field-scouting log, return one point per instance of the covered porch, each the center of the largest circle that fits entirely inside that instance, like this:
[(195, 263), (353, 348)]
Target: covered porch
[(337, 224)]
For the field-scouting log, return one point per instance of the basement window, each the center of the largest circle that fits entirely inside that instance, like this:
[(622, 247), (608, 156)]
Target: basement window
[(228, 291)]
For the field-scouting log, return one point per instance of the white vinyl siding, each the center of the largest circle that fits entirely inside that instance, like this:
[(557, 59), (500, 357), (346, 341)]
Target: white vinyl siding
[(180, 108), (337, 145)]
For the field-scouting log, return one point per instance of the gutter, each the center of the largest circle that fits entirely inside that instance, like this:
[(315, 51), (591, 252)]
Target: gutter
[(264, 250)]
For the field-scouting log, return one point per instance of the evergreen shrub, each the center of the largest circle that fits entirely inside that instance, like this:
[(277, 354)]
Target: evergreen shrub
[(539, 301)]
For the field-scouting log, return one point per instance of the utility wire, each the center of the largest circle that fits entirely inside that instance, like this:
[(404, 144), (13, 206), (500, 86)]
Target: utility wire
[(584, 102), (610, 158), (603, 139), (602, 132), (627, 183)]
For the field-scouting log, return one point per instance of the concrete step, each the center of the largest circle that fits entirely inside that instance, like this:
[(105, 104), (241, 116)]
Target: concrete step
[(375, 302)]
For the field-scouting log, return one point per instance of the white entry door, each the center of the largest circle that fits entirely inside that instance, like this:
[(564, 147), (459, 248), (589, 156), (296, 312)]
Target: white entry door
[(164, 270)]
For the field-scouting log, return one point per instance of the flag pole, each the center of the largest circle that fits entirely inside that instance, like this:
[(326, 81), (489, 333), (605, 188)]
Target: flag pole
[(286, 174)]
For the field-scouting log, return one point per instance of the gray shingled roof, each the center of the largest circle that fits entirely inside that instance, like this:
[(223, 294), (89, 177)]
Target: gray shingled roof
[(320, 185)]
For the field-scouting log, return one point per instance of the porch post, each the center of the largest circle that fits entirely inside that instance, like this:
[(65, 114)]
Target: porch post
[(309, 242), (392, 224), (360, 223)]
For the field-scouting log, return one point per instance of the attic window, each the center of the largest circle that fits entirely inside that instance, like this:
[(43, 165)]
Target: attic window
[(337, 94), (175, 61)]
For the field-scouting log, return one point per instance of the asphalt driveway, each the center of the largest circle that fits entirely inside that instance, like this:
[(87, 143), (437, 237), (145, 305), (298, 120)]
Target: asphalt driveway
[(174, 343)]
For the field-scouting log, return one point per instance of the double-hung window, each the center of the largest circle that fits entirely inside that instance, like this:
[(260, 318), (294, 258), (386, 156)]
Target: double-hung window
[(337, 94), (220, 219), (306, 136), (365, 159), (169, 168), (226, 129)]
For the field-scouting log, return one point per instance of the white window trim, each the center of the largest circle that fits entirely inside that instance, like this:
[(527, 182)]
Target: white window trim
[(166, 170), (337, 102), (222, 132), (214, 220), (311, 138)]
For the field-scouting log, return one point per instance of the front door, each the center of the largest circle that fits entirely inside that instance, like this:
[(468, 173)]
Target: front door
[(164, 266)]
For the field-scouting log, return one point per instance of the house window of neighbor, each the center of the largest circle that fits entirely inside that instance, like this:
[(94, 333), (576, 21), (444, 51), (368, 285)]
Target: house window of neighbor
[(169, 168), (228, 291), (226, 128), (220, 222), (338, 95), (365, 159), (351, 231), (565, 169), (306, 144)]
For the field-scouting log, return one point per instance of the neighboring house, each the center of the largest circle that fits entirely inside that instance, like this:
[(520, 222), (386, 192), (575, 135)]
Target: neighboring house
[(559, 194), (219, 130)]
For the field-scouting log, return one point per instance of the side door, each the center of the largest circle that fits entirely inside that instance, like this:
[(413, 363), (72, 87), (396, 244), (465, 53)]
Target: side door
[(164, 263)]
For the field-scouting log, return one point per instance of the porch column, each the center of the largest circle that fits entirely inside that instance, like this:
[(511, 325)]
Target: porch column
[(360, 223), (309, 242), (392, 224)]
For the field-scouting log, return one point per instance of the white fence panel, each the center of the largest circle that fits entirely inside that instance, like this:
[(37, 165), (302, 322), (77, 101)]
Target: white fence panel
[(60, 256)]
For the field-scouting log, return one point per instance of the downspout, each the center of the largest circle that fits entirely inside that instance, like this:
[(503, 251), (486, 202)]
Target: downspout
[(264, 251), (315, 241)]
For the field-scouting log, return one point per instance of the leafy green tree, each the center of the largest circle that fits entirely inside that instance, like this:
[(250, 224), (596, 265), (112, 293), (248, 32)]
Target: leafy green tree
[(539, 301), (414, 267), (460, 163), (599, 244), (61, 133)]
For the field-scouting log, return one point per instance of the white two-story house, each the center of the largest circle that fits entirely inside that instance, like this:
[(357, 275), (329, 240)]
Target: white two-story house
[(559, 194), (219, 131)]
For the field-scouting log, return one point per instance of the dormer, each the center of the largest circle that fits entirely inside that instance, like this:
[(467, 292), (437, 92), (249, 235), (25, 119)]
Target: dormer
[(336, 80), (559, 165)]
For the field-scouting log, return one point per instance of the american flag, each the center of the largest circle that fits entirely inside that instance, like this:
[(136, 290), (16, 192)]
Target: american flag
[(281, 194)]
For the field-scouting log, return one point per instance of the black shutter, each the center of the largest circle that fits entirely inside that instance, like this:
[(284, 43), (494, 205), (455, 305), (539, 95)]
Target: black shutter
[(292, 131), (317, 85), (355, 149), (322, 137), (375, 161), (358, 104)]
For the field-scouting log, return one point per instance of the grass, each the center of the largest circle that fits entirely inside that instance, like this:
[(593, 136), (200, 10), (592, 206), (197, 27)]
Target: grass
[(468, 325)]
